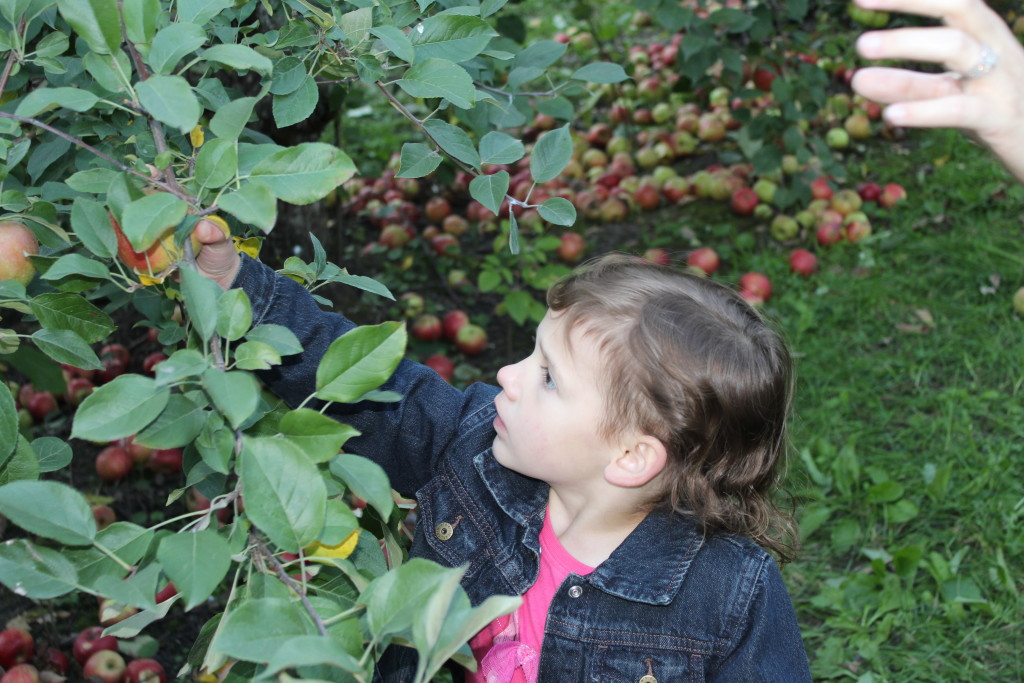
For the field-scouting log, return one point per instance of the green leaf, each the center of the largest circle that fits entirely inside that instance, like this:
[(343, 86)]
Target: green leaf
[(64, 346), (394, 600), (418, 160), (289, 74), (297, 105), (127, 541), (489, 7), (558, 210), (440, 78), (172, 43), (65, 311), (291, 491), (78, 265), (367, 284), (92, 180), (201, 300), (305, 173), (252, 203), (65, 517), (236, 394), (195, 562), (367, 480), (551, 154), (601, 72), (35, 571), (138, 589), (119, 408), (140, 19), (170, 100), (320, 437), (452, 37), (239, 58), (42, 99), (216, 163), (279, 337), (885, 492), (256, 356), (145, 220), (454, 141), (310, 651), (91, 223), (360, 361), (234, 314), (396, 41), (216, 443), (95, 21), (490, 190), (182, 364), (8, 423), (254, 630), (22, 466), (200, 11), (176, 427), (540, 54), (229, 121), (109, 70), (53, 453), (500, 148)]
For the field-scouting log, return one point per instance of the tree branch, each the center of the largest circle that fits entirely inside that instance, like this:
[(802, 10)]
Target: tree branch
[(288, 581)]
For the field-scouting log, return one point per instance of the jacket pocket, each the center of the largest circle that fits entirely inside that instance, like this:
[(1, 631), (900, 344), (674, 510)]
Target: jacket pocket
[(633, 664)]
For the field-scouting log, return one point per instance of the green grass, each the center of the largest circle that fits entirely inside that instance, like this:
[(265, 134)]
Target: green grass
[(907, 426)]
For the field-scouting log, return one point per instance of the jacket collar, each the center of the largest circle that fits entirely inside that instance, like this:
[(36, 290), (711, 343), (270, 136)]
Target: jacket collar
[(649, 566)]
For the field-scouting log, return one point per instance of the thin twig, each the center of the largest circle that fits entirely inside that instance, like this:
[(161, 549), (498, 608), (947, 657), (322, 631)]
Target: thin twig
[(12, 57), (288, 581)]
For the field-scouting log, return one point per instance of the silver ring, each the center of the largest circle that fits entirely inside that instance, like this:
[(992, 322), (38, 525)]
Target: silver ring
[(986, 62)]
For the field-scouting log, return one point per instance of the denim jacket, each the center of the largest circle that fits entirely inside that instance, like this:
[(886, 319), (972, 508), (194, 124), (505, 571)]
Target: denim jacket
[(669, 605)]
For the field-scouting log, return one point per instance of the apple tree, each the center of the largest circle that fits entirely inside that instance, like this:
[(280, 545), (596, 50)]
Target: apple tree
[(123, 122)]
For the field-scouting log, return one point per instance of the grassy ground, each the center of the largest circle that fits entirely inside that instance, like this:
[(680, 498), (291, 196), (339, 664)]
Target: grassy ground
[(907, 430)]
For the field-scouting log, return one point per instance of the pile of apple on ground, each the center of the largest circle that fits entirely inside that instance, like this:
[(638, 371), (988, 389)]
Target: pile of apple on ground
[(96, 655)]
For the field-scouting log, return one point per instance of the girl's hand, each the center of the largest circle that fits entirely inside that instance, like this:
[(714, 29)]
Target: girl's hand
[(988, 102), (218, 259)]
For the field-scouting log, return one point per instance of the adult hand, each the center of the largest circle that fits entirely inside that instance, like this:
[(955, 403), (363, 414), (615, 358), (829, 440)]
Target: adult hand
[(986, 101), (218, 259)]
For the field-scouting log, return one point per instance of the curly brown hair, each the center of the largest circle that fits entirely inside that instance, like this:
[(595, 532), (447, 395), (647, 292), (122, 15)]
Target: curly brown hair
[(691, 363)]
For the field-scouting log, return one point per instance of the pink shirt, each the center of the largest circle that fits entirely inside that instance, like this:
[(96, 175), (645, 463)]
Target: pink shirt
[(508, 649)]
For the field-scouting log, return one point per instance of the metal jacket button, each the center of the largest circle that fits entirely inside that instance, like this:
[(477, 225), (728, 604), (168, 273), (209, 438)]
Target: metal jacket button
[(575, 592), (648, 679), (444, 531)]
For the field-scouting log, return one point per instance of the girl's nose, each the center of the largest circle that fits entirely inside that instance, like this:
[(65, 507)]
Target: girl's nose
[(507, 381)]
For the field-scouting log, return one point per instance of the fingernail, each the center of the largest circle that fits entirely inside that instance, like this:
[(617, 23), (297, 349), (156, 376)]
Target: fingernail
[(869, 44), (895, 113)]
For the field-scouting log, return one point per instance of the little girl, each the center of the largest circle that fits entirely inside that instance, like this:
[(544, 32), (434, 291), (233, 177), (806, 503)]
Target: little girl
[(620, 478)]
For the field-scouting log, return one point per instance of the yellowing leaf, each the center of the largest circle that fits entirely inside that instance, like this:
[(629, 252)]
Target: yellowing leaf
[(148, 281), (197, 137), (341, 551), (249, 246)]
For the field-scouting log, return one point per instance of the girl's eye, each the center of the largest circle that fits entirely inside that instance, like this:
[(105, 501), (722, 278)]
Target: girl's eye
[(549, 383)]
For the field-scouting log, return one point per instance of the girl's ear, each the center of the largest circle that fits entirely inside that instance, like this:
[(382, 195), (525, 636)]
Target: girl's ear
[(638, 464)]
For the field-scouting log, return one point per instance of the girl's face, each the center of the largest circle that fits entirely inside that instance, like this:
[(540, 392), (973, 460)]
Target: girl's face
[(550, 410)]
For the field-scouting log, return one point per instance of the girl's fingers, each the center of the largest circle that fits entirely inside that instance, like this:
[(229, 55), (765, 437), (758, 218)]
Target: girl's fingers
[(947, 46), (886, 85)]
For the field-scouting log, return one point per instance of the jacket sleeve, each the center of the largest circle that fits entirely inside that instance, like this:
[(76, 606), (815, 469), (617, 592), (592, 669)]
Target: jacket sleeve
[(769, 648), (406, 437)]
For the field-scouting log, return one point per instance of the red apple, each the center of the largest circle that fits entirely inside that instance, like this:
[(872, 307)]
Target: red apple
[(16, 646), (857, 230), (572, 244), (41, 404), (675, 188), (22, 673), (599, 134), (442, 365), (647, 197), (78, 389), (757, 284), (820, 189), (452, 322), (90, 641), (144, 671), (138, 452), (803, 262), (892, 194), (763, 79), (104, 516), (17, 243), (107, 665), (869, 192), (427, 327), (437, 209), (471, 339), (56, 661), (744, 200), (443, 243), (829, 233), (168, 591), (25, 393), (704, 258), (455, 225), (165, 461), (112, 368), (151, 361), (118, 351), (113, 463)]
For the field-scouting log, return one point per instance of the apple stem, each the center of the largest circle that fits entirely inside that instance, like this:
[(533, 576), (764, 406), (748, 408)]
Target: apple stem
[(106, 551), (278, 568)]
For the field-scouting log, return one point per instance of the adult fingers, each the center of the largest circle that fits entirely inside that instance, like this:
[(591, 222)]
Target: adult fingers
[(955, 111), (887, 85), (973, 16), (208, 232)]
